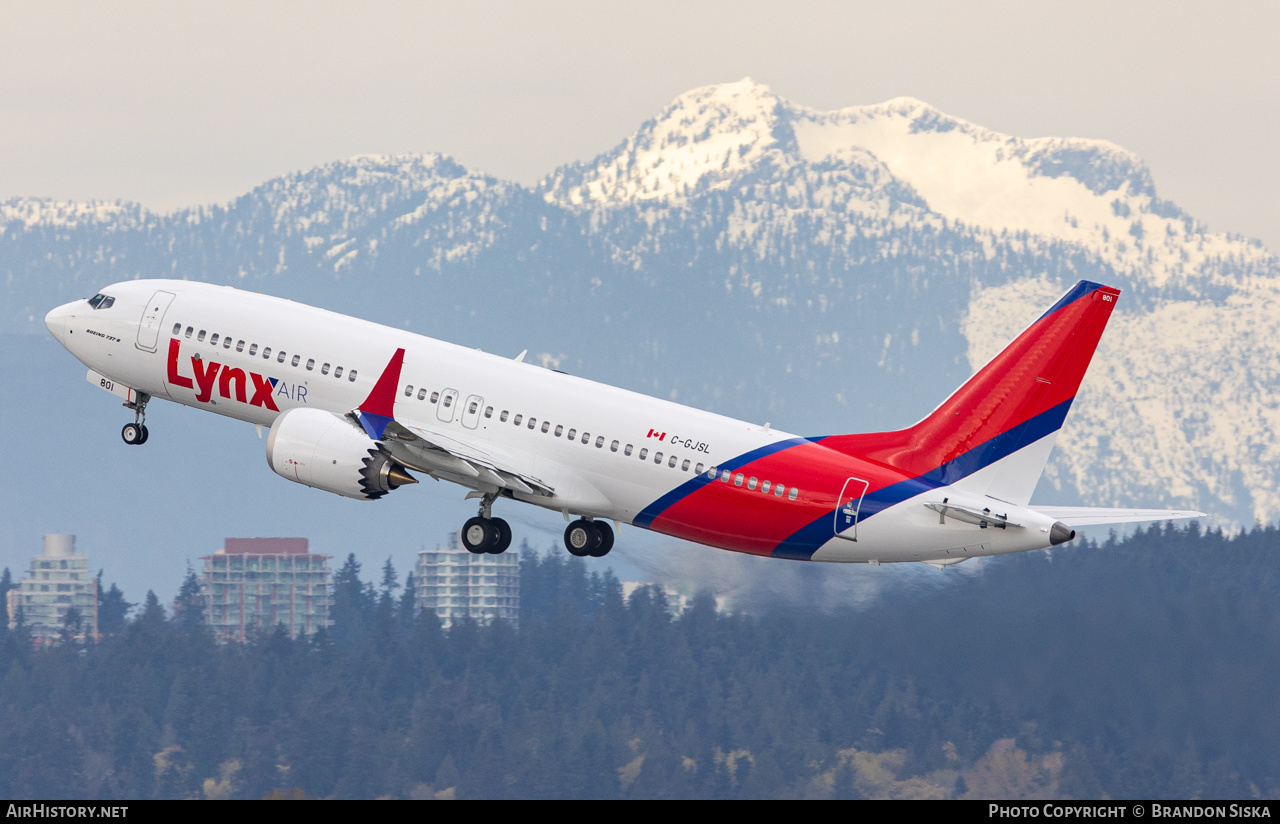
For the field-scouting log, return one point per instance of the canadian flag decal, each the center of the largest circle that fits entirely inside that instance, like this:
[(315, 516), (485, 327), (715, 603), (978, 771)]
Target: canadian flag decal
[(653, 433)]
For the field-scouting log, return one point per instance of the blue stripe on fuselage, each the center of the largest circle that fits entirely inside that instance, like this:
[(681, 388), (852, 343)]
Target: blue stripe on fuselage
[(801, 545)]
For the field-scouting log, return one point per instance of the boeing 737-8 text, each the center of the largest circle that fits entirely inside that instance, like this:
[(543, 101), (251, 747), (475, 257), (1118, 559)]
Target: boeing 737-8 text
[(356, 408)]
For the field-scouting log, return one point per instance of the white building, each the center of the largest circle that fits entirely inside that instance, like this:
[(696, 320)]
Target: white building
[(261, 583), (454, 584), (58, 580)]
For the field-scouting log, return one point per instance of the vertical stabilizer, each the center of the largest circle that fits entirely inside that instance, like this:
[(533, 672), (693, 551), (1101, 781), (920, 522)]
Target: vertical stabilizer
[(994, 434)]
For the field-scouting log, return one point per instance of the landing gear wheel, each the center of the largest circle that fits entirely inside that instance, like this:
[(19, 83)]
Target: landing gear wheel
[(478, 535), (145, 434), (133, 434), (581, 538), (503, 529), (606, 539)]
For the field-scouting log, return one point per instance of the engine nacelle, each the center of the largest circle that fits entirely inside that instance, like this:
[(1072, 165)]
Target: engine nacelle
[(329, 452)]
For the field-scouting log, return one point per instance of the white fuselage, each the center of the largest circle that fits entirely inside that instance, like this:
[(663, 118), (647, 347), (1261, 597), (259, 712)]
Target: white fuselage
[(292, 354)]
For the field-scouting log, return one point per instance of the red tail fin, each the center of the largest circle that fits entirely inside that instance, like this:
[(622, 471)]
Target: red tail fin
[(1021, 396)]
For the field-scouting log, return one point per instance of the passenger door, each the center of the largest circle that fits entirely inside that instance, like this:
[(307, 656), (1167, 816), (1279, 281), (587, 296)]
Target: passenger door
[(152, 320)]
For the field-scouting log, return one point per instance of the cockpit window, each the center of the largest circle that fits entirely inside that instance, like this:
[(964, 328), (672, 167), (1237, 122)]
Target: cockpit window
[(101, 301)]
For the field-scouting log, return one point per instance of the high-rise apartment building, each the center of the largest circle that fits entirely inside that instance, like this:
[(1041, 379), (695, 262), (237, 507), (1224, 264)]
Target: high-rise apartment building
[(58, 580), (454, 583), (263, 583)]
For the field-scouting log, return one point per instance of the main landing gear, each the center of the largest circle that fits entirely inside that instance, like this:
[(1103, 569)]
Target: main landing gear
[(485, 534), (135, 434), (583, 538)]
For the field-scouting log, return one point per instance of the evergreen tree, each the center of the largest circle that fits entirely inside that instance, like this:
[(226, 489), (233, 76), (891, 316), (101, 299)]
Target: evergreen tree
[(352, 604), (112, 610), (71, 626), (188, 607), (406, 610)]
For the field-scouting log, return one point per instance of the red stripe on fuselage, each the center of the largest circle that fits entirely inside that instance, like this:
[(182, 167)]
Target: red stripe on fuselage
[(734, 517)]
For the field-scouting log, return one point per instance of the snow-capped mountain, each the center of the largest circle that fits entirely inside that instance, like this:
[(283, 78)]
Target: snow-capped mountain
[(826, 271)]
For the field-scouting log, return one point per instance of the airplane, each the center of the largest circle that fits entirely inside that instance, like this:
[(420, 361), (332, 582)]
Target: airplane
[(356, 408)]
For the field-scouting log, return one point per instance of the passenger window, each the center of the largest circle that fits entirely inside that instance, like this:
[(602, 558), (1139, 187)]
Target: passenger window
[(188, 332), (239, 346), (764, 487), (324, 370), (435, 396), (724, 476), (422, 393), (311, 364), (644, 453), (559, 430), (337, 372), (516, 422), (532, 423), (791, 496), (573, 433), (627, 450), (226, 342), (280, 358), (546, 427), (737, 479), (253, 349), (488, 411), (408, 389), (296, 359), (471, 410), (671, 464), (697, 470), (213, 341), (351, 376), (448, 401), (684, 467), (586, 436), (613, 447), (779, 489), (657, 457), (200, 337), (502, 417), (266, 352), (751, 484), (599, 441), (177, 327)]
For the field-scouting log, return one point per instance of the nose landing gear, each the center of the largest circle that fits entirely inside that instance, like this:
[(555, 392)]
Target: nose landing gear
[(485, 533), (135, 434)]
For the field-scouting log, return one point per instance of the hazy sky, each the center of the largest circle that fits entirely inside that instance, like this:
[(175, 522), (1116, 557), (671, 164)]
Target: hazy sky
[(177, 104)]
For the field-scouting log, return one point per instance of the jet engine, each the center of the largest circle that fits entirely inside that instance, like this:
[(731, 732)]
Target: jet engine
[(329, 452)]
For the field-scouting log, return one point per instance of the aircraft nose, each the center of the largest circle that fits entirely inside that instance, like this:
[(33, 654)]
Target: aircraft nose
[(56, 320)]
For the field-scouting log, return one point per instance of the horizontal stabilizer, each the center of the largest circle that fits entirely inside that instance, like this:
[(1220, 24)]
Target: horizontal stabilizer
[(1094, 516)]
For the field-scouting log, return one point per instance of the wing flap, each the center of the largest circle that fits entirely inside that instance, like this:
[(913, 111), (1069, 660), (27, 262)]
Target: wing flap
[(484, 463), (1094, 516)]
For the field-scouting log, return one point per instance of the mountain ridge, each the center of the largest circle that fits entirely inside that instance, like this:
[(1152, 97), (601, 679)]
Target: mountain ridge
[(839, 270)]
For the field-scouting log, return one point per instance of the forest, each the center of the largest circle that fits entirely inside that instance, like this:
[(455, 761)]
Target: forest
[(1136, 667)]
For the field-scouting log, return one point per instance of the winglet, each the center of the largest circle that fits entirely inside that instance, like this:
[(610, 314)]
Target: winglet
[(378, 409)]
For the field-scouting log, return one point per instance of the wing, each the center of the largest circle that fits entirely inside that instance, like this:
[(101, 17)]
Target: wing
[(436, 451), (1092, 516), (454, 453)]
